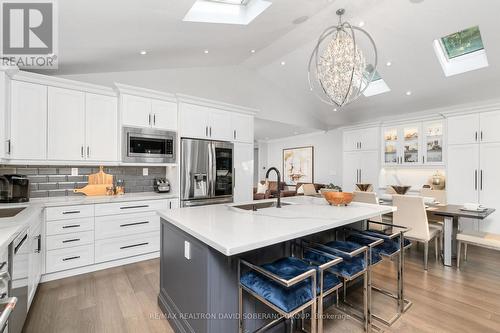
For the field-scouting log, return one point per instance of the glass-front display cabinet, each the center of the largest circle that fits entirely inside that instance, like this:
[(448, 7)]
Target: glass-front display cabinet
[(434, 142), (391, 146)]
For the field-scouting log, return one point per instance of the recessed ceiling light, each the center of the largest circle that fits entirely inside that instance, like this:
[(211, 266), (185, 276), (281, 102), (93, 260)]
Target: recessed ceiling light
[(335, 110), (143, 52), (361, 24), (408, 93), (252, 51), (389, 64), (206, 51), (283, 63)]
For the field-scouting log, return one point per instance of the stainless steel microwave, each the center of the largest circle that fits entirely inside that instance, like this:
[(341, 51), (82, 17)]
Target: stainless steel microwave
[(147, 145)]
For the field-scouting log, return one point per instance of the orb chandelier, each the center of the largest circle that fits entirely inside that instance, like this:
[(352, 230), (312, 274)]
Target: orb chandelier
[(339, 70)]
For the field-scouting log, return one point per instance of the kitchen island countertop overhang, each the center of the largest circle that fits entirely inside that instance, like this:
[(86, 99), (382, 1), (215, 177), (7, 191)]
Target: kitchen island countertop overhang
[(232, 231)]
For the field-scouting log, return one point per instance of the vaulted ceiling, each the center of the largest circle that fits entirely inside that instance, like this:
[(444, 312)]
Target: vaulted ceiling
[(106, 36)]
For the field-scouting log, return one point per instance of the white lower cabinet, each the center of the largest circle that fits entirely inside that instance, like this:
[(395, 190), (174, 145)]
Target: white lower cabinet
[(126, 246), (35, 257), (85, 235)]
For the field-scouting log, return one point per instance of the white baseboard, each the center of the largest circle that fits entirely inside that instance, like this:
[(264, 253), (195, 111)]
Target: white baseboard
[(98, 267)]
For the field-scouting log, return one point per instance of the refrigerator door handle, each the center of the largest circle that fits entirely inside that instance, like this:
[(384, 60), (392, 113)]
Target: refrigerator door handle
[(213, 170)]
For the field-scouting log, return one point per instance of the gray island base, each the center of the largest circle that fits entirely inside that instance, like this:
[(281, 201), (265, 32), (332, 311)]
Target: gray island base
[(201, 246)]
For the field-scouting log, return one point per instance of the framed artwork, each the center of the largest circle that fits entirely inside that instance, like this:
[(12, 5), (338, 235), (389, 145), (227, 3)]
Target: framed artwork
[(298, 165)]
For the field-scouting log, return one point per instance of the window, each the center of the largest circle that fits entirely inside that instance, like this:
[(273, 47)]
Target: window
[(461, 51), (226, 11), (377, 86)]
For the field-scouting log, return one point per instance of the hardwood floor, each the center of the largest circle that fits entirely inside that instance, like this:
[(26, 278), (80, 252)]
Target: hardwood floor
[(123, 299)]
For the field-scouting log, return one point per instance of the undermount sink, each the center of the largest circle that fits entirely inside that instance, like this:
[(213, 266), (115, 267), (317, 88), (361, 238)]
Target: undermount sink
[(10, 212), (258, 206)]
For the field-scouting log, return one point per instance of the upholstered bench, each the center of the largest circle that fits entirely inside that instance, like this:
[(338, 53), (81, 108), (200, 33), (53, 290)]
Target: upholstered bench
[(482, 239)]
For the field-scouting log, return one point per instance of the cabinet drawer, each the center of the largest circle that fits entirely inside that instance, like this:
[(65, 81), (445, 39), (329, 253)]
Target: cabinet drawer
[(70, 240), (59, 260), (122, 225), (130, 207), (69, 226), (69, 212), (127, 246)]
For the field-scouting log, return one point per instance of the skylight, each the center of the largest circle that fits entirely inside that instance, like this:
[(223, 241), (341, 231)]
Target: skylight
[(226, 11), (377, 86), (461, 51)]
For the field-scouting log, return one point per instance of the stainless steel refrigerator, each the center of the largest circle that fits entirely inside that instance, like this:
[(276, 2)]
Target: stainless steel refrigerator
[(207, 172)]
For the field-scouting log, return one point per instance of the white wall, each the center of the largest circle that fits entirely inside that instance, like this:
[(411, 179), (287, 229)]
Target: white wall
[(230, 84), (327, 154)]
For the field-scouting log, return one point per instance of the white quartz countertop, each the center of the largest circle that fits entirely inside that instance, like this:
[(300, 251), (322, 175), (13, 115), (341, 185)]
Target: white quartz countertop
[(10, 227), (233, 231)]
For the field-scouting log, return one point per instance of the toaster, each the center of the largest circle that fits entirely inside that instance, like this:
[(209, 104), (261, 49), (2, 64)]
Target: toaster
[(161, 185)]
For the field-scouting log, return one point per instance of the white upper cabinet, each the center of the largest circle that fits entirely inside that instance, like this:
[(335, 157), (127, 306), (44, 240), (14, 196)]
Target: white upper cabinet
[(66, 124), (243, 127), (136, 111), (361, 139), (220, 125), (194, 120), (204, 122), (414, 144), (28, 122), (164, 115), (463, 129), (101, 127), (490, 123)]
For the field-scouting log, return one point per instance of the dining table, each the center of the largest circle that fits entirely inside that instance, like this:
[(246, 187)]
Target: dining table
[(451, 215)]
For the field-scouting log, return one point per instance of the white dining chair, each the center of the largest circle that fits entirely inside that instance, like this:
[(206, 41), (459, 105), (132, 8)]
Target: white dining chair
[(371, 198), (412, 214)]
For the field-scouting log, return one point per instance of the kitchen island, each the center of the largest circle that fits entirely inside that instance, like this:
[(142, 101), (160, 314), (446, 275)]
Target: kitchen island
[(200, 248)]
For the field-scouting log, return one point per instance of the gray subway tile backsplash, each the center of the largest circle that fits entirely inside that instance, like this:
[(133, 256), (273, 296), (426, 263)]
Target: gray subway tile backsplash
[(52, 181)]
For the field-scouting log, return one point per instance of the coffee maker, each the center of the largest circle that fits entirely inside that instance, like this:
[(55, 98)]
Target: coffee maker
[(14, 188)]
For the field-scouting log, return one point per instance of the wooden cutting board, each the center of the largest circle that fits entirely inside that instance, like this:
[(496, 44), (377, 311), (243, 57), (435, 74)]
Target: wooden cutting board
[(97, 184), (90, 190), (100, 177)]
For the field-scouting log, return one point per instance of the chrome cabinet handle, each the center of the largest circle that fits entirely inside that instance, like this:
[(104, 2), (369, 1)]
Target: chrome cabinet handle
[(149, 119), (70, 226), (475, 180), (476, 136), (71, 258), (206, 130), (154, 119), (71, 240), (234, 134), (135, 245), (210, 131), (71, 212), (481, 181), (88, 151), (39, 244), (134, 223), (133, 207), (170, 205), (481, 135), (81, 151), (9, 146)]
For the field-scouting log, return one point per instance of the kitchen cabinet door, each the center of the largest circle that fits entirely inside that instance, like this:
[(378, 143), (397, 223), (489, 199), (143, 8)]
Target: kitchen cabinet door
[(369, 168), (490, 122), (350, 171), (101, 128), (66, 125), (351, 140), (411, 144), (463, 129), (462, 183), (369, 138), (35, 257), (433, 143), (243, 128), (28, 122), (391, 146), (489, 183), (220, 125), (194, 121), (136, 111), (243, 172), (164, 115)]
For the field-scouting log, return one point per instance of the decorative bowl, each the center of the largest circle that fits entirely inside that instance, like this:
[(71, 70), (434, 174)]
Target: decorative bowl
[(338, 198), (325, 190), (400, 189), (363, 187)]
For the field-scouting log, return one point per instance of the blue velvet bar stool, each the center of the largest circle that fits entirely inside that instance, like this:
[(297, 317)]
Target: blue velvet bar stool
[(329, 283), (354, 265), (287, 286), (393, 240)]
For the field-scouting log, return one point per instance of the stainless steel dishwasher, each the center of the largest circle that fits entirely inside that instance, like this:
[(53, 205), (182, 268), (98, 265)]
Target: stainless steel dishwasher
[(19, 252)]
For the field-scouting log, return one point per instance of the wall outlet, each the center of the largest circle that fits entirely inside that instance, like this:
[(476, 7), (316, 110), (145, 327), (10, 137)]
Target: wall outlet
[(187, 250), (74, 171), (145, 171)]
